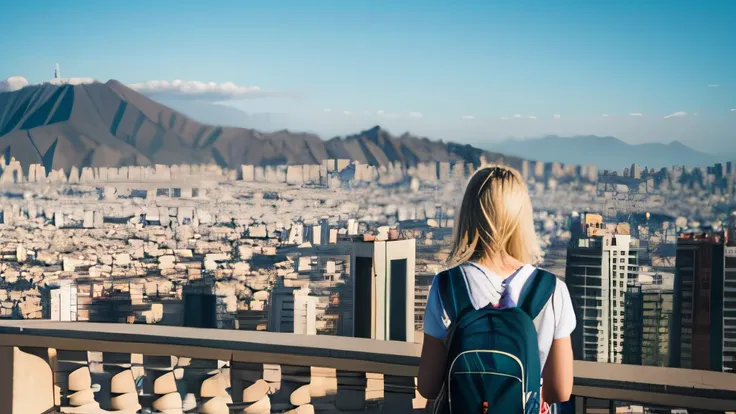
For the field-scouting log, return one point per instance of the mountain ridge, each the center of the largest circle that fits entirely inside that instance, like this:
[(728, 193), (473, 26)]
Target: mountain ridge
[(606, 152), (110, 125)]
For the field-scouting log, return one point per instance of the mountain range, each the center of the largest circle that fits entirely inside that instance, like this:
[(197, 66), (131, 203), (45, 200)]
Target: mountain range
[(610, 153), (605, 152), (109, 125)]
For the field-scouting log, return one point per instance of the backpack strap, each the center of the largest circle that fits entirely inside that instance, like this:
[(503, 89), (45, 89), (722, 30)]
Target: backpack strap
[(454, 293), (456, 303), (536, 292)]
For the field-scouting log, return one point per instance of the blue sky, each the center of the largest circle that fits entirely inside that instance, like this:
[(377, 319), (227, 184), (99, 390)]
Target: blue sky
[(482, 60)]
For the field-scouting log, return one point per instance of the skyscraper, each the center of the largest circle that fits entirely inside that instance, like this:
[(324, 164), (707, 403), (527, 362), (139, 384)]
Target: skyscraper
[(696, 337), (423, 283), (382, 274), (634, 325), (600, 260), (729, 307), (647, 319)]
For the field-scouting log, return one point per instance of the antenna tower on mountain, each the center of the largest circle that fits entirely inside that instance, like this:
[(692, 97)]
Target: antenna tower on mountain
[(57, 72)]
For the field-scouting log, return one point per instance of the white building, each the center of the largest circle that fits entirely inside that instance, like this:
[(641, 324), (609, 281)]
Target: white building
[(382, 277), (64, 303), (292, 310), (305, 313), (615, 274), (600, 264)]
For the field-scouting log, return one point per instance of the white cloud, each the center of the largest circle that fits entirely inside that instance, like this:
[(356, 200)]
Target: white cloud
[(13, 83), (327, 110), (347, 112), (415, 114), (605, 115), (714, 86), (733, 110), (518, 116), (678, 114), (468, 117), (199, 90), (636, 114), (556, 116)]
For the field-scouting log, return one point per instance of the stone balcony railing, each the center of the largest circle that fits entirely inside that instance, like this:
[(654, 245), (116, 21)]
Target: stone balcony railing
[(91, 368)]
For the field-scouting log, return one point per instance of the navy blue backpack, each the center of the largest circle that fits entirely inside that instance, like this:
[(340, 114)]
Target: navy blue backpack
[(493, 356)]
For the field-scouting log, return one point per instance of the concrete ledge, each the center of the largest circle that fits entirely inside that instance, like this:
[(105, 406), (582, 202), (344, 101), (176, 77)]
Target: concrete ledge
[(647, 385), (348, 354)]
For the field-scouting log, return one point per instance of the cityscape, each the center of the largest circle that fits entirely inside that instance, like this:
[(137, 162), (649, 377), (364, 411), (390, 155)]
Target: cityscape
[(330, 250), (175, 239)]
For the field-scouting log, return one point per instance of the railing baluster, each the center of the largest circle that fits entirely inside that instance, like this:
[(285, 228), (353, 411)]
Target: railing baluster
[(20, 391), (214, 392), (249, 389), (580, 405), (398, 394), (351, 391), (323, 389)]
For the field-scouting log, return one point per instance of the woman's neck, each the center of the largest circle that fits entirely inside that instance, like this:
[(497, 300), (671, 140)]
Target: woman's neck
[(502, 264)]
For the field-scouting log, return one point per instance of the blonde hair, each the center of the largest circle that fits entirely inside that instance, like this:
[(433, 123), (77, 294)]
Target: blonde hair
[(495, 218)]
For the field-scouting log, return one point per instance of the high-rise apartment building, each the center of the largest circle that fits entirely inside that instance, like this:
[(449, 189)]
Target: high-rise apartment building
[(600, 261), (382, 275), (647, 319), (633, 325), (423, 284), (729, 308), (697, 334)]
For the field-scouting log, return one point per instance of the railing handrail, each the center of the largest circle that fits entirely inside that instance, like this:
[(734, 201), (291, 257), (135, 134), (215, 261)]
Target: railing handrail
[(344, 353), (592, 379)]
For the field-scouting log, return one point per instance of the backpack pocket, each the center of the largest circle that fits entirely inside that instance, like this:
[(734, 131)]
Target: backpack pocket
[(486, 381)]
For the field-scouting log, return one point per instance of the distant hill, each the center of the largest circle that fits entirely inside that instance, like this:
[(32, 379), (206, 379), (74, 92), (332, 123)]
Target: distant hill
[(377, 147), (606, 152), (110, 125)]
